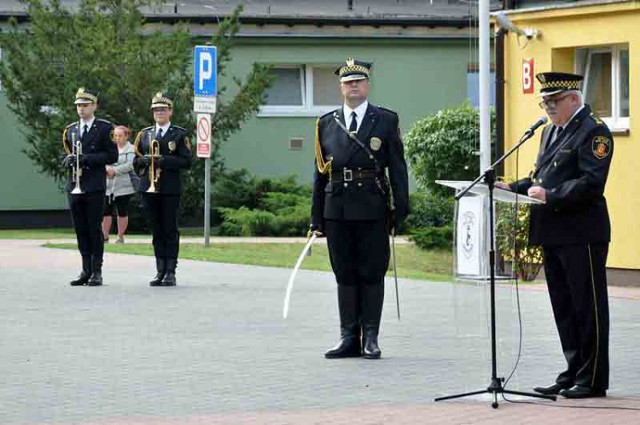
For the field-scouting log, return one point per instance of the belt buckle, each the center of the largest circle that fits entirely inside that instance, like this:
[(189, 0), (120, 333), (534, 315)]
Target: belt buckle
[(347, 174)]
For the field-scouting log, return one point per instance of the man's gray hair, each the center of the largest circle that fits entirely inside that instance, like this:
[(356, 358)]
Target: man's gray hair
[(579, 94)]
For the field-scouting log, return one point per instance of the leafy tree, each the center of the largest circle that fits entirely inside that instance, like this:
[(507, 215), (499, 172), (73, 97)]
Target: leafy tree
[(104, 45), (444, 146)]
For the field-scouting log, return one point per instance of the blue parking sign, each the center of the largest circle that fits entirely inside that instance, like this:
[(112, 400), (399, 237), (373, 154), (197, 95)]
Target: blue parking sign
[(205, 71)]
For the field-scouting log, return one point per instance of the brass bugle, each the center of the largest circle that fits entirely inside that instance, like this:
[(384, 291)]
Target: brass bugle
[(77, 171), (154, 175)]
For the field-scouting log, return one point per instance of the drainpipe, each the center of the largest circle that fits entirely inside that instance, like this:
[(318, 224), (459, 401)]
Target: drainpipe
[(501, 34), (500, 101)]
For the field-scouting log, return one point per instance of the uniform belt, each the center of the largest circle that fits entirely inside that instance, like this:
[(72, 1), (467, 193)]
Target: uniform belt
[(348, 174)]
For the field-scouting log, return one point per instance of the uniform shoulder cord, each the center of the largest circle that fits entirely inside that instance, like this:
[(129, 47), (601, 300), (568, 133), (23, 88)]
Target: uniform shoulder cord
[(136, 142), (323, 167), (64, 142)]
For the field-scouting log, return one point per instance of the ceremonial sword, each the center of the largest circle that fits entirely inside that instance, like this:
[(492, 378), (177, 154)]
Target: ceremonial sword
[(287, 296)]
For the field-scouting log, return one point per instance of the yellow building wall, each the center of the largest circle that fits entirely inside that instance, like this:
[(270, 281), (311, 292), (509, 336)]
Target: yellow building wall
[(563, 30)]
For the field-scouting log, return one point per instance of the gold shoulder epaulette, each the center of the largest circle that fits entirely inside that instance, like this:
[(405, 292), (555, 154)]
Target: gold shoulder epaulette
[(596, 119)]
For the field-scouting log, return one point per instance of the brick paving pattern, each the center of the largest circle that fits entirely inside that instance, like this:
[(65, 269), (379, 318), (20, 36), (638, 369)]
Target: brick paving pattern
[(215, 349)]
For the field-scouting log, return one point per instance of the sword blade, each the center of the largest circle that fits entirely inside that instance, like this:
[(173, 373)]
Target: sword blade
[(287, 296), (395, 270)]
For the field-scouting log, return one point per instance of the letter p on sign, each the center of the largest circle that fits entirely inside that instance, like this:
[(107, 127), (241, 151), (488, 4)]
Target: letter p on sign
[(206, 69)]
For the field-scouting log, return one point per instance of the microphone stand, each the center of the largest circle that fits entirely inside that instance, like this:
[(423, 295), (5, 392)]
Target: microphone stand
[(495, 387)]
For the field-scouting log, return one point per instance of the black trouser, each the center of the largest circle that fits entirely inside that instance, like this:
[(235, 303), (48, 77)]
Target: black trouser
[(86, 212), (359, 253), (163, 212), (577, 281)]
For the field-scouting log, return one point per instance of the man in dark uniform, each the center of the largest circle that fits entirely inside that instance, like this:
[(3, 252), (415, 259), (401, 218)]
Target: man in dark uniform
[(355, 146), (89, 147), (574, 231), (162, 151)]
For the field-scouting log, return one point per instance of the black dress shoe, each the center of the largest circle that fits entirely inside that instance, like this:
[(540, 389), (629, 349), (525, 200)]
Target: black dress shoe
[(95, 279), (370, 346), (552, 389), (157, 279), (578, 391), (169, 279), (160, 266), (82, 279), (349, 346)]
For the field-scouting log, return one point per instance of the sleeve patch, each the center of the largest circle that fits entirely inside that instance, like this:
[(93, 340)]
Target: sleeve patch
[(601, 147)]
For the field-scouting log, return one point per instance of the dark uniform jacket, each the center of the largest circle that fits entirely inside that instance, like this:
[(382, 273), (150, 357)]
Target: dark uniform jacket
[(98, 150), (175, 149), (573, 170), (336, 198)]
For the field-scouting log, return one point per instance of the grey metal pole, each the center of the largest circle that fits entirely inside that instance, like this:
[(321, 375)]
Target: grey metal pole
[(207, 200), (485, 114)]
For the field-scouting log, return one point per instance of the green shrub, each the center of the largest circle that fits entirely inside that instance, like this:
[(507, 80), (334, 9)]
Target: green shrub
[(512, 240), (429, 210), (433, 237), (444, 146), (227, 228), (234, 189), (278, 201), (273, 206), (251, 222)]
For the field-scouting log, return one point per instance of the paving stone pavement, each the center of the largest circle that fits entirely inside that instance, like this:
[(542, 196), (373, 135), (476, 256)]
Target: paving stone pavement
[(215, 349)]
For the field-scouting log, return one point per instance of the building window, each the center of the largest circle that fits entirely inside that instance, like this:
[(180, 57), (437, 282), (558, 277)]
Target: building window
[(302, 90), (606, 83), (473, 85)]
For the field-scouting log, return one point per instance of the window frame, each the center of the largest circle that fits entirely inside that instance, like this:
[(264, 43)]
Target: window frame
[(308, 108), (616, 122)]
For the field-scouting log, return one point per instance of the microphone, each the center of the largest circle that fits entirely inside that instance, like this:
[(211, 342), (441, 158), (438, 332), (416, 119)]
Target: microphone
[(542, 121)]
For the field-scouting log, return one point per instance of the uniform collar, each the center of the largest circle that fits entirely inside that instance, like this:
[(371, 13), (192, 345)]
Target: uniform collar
[(164, 128), (88, 123), (360, 110)]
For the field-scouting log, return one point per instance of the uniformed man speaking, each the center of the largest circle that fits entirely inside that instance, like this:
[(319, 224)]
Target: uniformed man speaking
[(88, 148), (574, 231), (351, 204)]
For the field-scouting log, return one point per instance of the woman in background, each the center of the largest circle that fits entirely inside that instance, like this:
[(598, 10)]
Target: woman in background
[(120, 185)]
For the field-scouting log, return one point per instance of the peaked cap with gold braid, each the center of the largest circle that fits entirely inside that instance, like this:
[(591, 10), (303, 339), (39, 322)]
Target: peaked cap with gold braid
[(353, 70), (557, 82), (84, 96), (162, 100)]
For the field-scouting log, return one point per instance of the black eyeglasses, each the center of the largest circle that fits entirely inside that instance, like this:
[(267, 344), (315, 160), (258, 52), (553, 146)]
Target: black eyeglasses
[(552, 103)]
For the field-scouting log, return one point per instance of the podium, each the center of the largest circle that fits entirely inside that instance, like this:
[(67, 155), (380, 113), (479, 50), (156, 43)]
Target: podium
[(471, 236)]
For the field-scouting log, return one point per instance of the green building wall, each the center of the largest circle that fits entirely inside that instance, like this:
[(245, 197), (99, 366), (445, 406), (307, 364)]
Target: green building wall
[(22, 186)]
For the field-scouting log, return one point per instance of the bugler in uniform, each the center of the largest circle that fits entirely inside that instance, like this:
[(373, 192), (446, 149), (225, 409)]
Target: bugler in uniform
[(162, 151), (574, 231), (355, 144), (88, 148)]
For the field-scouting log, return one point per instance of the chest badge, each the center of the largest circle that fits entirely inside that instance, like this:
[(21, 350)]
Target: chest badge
[(375, 143), (172, 146)]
